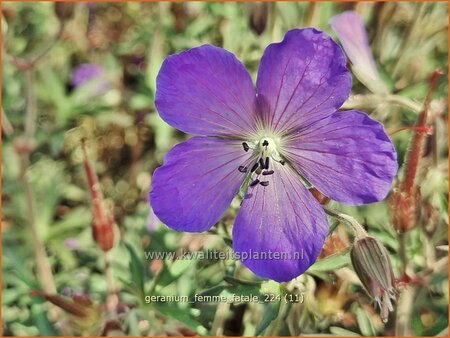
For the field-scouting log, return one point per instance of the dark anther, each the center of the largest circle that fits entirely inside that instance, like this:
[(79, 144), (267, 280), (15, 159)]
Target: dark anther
[(261, 163), (242, 169), (255, 166), (268, 172), (264, 183), (265, 143), (245, 145), (266, 165), (282, 162), (255, 182)]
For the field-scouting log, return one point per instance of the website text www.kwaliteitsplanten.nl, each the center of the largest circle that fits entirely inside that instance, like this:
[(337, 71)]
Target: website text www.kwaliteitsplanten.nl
[(223, 255)]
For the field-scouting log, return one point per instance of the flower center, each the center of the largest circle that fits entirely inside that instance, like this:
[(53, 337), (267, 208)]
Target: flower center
[(264, 150)]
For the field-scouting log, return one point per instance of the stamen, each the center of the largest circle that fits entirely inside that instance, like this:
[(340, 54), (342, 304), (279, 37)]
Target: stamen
[(265, 143), (242, 169), (258, 171), (269, 172), (264, 183), (261, 163), (255, 166), (255, 182), (245, 146), (282, 162), (266, 165)]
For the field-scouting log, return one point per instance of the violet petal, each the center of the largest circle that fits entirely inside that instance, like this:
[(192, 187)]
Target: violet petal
[(282, 218), (353, 36), (348, 157), (301, 79), (206, 91), (197, 182)]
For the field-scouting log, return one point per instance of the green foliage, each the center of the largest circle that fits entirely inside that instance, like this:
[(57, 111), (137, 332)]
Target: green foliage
[(127, 140)]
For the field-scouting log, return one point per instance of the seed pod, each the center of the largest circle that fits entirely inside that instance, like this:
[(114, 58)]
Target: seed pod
[(371, 263)]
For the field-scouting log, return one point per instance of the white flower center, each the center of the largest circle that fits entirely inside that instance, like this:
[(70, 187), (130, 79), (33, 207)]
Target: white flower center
[(264, 153), (267, 147)]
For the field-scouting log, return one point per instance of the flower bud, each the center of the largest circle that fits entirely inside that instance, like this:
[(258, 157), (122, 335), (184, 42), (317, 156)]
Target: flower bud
[(258, 16), (371, 262), (104, 229), (64, 10)]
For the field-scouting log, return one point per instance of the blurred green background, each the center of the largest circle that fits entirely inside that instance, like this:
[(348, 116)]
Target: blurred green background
[(46, 206)]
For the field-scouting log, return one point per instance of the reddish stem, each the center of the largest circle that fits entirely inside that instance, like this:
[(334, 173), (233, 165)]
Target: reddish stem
[(415, 152), (427, 130)]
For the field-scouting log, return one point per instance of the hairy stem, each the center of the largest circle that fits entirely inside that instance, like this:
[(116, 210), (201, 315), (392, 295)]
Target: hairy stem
[(360, 232)]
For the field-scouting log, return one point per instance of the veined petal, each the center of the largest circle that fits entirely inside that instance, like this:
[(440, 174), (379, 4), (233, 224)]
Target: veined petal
[(284, 223), (197, 182), (301, 79), (348, 157), (351, 32), (206, 91)]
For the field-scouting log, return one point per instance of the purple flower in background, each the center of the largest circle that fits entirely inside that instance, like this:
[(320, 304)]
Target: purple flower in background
[(351, 32), (271, 140), (87, 73), (72, 243)]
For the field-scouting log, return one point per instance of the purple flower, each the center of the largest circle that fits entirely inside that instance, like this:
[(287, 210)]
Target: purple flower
[(272, 140), (351, 32), (72, 243), (87, 73)]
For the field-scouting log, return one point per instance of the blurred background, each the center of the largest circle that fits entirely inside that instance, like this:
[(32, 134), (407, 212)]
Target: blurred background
[(84, 73)]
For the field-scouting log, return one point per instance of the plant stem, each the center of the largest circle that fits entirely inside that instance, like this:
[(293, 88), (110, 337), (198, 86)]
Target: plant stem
[(29, 62), (405, 306), (43, 266), (30, 115), (401, 237), (360, 232), (416, 149), (7, 127), (373, 100), (112, 300), (405, 102), (42, 262)]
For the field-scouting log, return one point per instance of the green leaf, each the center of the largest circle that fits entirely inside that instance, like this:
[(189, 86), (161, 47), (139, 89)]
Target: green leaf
[(331, 262), (137, 268), (339, 331), (364, 323), (270, 313), (183, 316), (39, 317), (173, 270)]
